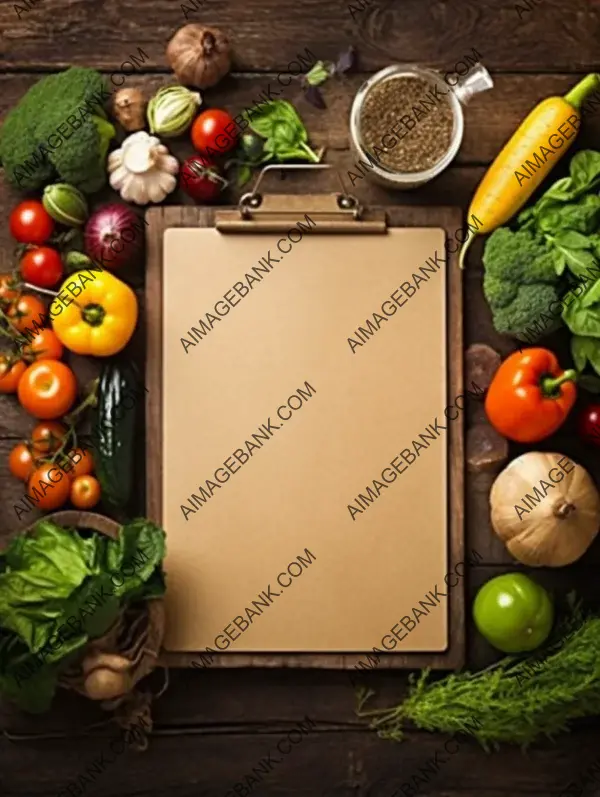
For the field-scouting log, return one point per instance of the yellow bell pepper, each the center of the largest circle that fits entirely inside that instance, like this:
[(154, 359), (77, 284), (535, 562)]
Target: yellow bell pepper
[(94, 313)]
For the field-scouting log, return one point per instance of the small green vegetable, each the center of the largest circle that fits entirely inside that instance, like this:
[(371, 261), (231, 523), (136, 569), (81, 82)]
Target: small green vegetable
[(286, 136), (172, 110), (513, 612), (66, 204), (32, 151), (520, 281), (517, 700)]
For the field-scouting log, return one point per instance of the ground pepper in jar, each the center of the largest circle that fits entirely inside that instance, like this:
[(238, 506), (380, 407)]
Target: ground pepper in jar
[(388, 132)]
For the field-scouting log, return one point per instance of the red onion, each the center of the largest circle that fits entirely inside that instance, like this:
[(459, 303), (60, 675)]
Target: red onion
[(114, 236)]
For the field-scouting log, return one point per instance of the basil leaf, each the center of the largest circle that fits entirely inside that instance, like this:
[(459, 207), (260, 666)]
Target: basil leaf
[(572, 240), (560, 262), (581, 350), (578, 260), (582, 320), (563, 190), (585, 168), (591, 295)]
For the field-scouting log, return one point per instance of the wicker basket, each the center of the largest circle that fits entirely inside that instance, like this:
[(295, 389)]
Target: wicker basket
[(137, 634)]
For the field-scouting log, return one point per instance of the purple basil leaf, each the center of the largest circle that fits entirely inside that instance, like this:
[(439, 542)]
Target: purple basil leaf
[(346, 60), (314, 96)]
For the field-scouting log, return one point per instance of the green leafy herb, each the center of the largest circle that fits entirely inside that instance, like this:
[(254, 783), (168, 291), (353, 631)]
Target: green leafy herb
[(517, 700), (285, 135)]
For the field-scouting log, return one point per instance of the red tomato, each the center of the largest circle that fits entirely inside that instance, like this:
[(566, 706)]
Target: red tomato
[(27, 309), (84, 465), (42, 266), (45, 344), (11, 372), (85, 492), (47, 437), (49, 486), (214, 132), (589, 424), (20, 462), (201, 179), (30, 223), (47, 389), (7, 291)]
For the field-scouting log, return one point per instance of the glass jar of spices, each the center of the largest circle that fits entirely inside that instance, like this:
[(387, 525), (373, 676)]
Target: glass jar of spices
[(406, 123)]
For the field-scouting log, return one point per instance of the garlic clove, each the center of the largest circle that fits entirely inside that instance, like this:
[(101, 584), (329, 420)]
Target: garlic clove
[(140, 158), (115, 159), (118, 176), (169, 164)]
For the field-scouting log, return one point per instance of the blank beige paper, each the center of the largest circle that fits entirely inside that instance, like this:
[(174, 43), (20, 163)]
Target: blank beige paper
[(293, 493)]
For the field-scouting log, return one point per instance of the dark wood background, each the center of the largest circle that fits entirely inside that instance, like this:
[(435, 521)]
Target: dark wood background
[(213, 727)]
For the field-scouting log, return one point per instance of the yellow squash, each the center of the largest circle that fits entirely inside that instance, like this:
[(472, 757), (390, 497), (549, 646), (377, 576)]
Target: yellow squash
[(94, 313), (526, 159)]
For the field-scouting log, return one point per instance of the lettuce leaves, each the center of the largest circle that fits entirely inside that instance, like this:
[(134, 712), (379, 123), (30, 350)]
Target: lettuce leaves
[(58, 590)]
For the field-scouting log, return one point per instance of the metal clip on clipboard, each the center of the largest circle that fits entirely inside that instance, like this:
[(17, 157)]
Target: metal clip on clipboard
[(333, 213)]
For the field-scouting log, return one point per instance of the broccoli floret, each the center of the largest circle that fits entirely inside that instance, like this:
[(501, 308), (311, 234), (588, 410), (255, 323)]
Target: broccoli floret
[(33, 151), (520, 284)]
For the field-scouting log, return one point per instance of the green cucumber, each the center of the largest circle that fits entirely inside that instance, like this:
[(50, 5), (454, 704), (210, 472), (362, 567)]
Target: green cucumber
[(113, 430)]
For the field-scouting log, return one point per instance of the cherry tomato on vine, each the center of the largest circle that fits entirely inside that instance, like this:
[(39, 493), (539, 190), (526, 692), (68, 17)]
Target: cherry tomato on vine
[(11, 372), (85, 465), (42, 267), (24, 311), (57, 491), (48, 436), (7, 292), (85, 492), (201, 179), (30, 223), (20, 462), (214, 132), (45, 344)]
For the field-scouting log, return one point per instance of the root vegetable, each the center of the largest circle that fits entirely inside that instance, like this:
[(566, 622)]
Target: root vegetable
[(105, 684), (109, 661), (129, 108)]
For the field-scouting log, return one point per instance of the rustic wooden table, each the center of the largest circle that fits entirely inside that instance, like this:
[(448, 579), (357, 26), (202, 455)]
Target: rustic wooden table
[(212, 728)]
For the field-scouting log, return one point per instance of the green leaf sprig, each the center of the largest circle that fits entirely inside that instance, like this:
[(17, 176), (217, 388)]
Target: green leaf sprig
[(518, 700)]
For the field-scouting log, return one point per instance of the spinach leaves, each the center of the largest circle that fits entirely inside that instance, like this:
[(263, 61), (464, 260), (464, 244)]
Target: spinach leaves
[(567, 217)]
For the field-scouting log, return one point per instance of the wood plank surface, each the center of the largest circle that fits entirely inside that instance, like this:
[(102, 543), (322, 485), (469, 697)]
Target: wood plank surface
[(268, 35), (212, 727)]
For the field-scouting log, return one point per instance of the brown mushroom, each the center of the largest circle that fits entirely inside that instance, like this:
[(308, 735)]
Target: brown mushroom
[(129, 109)]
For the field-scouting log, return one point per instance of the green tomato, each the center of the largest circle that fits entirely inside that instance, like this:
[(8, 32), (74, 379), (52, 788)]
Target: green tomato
[(513, 613)]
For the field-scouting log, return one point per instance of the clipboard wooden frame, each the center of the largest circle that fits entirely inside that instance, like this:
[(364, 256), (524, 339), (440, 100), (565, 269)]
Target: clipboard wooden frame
[(160, 219)]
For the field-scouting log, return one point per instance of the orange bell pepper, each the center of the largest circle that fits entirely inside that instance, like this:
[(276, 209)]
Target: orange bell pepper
[(530, 396)]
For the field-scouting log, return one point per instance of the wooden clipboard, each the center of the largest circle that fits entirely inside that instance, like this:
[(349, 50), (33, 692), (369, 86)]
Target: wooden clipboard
[(337, 214)]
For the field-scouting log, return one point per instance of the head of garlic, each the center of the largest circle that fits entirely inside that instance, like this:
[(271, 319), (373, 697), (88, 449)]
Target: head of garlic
[(142, 170)]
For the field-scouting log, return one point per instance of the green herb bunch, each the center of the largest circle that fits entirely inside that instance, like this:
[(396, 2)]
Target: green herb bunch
[(507, 702), (279, 136)]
